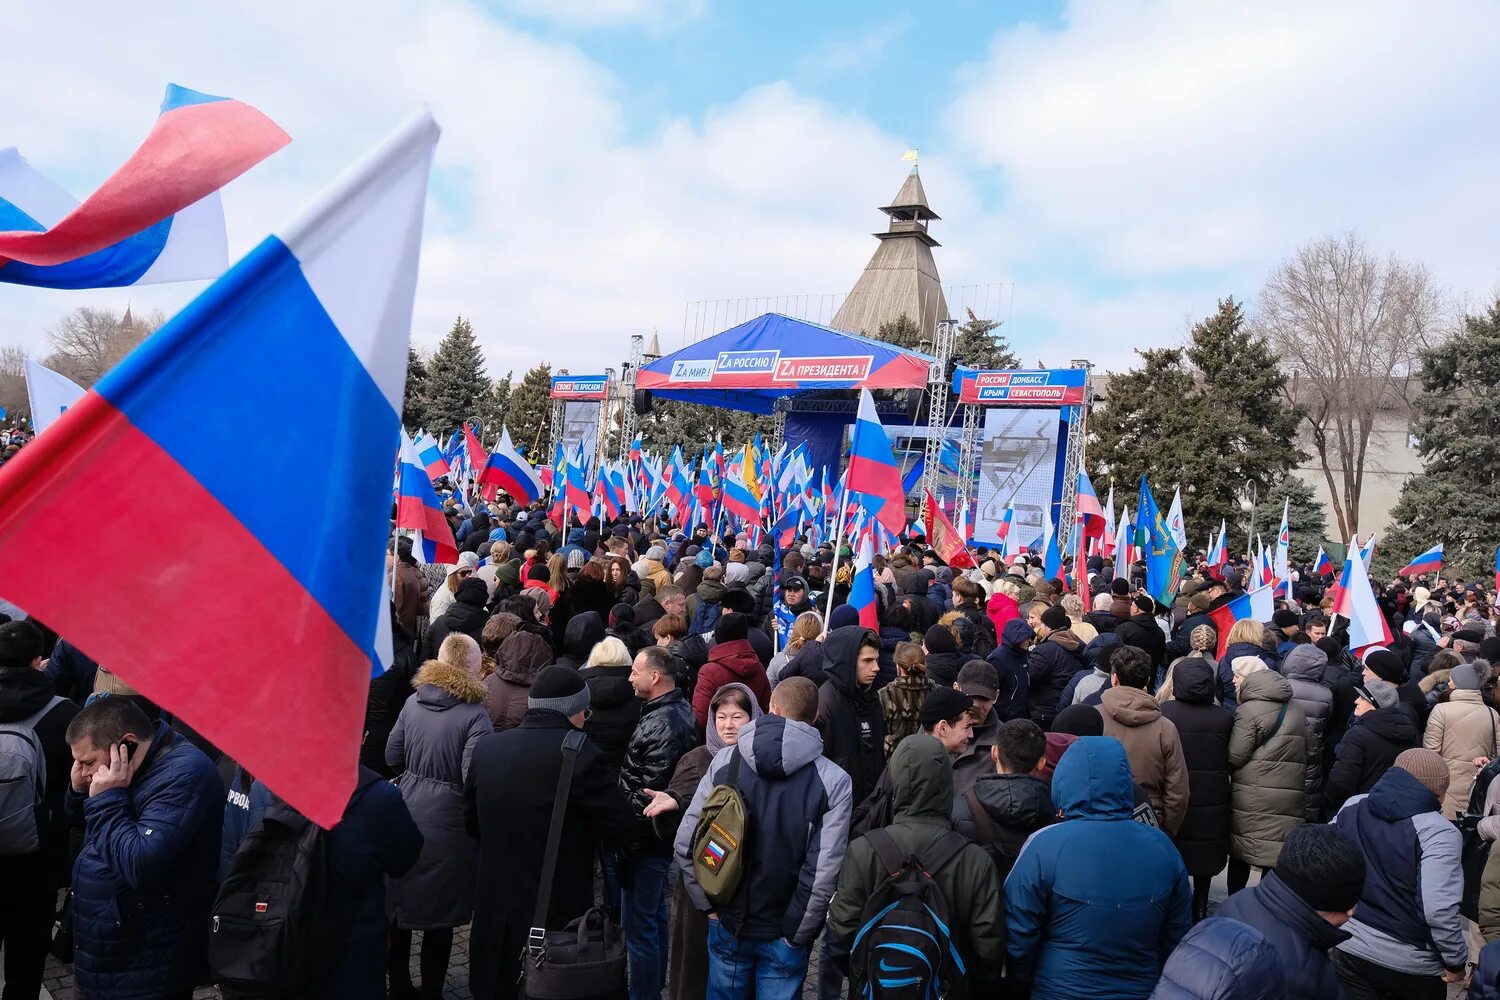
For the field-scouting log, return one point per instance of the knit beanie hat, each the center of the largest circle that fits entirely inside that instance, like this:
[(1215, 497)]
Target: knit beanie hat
[(1203, 638), (1322, 866), (1489, 649), (1428, 767), (1200, 602), (1079, 720), (1120, 587), (1385, 664), (539, 571), (847, 614), (942, 703), (559, 688), (1464, 677), (1056, 618), (576, 559), (1286, 618), (939, 639)]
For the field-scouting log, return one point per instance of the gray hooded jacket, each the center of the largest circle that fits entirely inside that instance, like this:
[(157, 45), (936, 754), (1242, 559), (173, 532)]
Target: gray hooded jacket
[(1304, 669), (800, 803)]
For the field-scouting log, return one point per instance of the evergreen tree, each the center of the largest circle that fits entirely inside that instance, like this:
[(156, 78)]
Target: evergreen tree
[(1307, 518), (493, 406), (1455, 499), (1208, 417), (528, 414), (414, 402), (979, 346), (901, 331), (456, 383)]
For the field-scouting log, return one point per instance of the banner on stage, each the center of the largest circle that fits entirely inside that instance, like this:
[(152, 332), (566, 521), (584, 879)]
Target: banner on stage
[(580, 387), (1018, 387), (1018, 466), (580, 429)]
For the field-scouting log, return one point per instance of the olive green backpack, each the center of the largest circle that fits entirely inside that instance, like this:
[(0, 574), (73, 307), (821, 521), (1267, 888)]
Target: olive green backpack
[(719, 849)]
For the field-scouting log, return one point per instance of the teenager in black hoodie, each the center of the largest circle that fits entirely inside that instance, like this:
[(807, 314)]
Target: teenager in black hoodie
[(849, 714)]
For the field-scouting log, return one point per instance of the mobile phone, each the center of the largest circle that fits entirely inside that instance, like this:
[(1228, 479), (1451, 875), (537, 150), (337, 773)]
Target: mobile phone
[(128, 746)]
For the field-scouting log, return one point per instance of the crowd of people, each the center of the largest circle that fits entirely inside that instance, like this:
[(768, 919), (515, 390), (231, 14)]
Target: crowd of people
[(1000, 791)]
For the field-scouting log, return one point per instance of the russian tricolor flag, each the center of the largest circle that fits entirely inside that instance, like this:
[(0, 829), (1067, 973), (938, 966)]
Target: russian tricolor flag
[(1356, 602), (1430, 561), (430, 456), (1219, 555), (419, 510), (739, 501), (506, 470), (285, 576), (156, 219), (1089, 512), (1322, 566), (1257, 605), (862, 586), (873, 472)]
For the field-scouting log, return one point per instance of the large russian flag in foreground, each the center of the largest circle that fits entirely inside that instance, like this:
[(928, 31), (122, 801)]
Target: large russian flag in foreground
[(156, 219), (284, 576), (1430, 561)]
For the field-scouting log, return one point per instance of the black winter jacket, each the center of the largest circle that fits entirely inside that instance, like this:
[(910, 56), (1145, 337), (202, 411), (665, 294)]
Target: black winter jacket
[(1302, 939), (1366, 752), (1017, 805), (23, 693), (808, 662), (614, 712), (1142, 632), (1052, 663), (667, 730), (1203, 729), (983, 632), (579, 639), (850, 718), (466, 614), (1009, 661)]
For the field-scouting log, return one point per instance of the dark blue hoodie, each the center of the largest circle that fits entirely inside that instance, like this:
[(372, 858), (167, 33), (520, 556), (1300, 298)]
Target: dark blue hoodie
[(1009, 660), (1079, 920)]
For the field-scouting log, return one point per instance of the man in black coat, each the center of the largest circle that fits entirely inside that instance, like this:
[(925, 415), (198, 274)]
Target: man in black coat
[(1052, 662), (466, 615), (32, 876), (1142, 632), (508, 797), (1299, 907), (849, 714), (667, 730), (1382, 728), (1203, 728)]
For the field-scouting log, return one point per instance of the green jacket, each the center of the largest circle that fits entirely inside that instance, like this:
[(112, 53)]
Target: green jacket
[(922, 776)]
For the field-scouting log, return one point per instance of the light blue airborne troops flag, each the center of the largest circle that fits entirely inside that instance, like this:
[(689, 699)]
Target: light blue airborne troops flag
[(1158, 548)]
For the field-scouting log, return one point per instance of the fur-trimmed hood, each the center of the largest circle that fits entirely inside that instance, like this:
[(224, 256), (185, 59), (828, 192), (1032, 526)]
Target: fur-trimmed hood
[(444, 679)]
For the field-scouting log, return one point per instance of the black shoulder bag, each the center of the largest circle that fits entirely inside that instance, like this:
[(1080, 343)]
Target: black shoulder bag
[(586, 959)]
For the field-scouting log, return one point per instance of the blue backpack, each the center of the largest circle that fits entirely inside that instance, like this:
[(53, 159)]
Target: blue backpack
[(904, 949)]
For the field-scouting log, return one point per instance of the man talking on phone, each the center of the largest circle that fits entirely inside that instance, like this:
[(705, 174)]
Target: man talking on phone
[(153, 809)]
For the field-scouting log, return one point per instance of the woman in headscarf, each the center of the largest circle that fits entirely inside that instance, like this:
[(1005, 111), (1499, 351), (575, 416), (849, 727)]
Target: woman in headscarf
[(732, 706)]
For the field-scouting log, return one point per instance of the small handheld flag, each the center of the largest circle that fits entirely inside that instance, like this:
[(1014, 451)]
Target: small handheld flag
[(505, 470)]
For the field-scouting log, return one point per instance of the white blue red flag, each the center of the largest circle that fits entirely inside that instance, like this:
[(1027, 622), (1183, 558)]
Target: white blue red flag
[(156, 219), (505, 470), (1356, 602), (430, 455), (312, 325), (1107, 543), (419, 510), (1258, 604), (862, 585), (49, 394), (1089, 514), (873, 472), (1218, 554), (1322, 566), (1430, 561)]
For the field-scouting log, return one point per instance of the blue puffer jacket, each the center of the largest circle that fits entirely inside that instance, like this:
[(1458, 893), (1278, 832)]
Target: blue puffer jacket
[(1223, 959), (1302, 939), (1009, 660), (1486, 982), (1078, 922), (144, 884)]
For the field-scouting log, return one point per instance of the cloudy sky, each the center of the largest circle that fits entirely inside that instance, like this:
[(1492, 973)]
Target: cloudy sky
[(1104, 168)]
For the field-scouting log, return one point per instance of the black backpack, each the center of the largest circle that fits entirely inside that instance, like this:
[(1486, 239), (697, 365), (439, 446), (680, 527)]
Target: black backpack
[(276, 919), (904, 948)]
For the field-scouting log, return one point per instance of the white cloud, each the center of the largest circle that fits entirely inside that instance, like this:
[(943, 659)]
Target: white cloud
[(1154, 141), (858, 52), (556, 235)]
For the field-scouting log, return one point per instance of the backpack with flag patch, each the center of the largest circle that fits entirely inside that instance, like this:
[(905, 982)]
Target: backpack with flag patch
[(719, 849), (904, 948), (275, 920), (23, 783)]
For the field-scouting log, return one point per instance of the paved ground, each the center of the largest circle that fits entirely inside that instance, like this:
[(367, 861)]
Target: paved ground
[(59, 978)]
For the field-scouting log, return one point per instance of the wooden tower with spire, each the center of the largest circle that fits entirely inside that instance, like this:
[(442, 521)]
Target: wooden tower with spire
[(901, 277)]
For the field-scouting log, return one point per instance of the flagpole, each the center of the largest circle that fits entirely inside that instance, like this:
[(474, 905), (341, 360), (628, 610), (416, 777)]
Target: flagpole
[(833, 572)]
